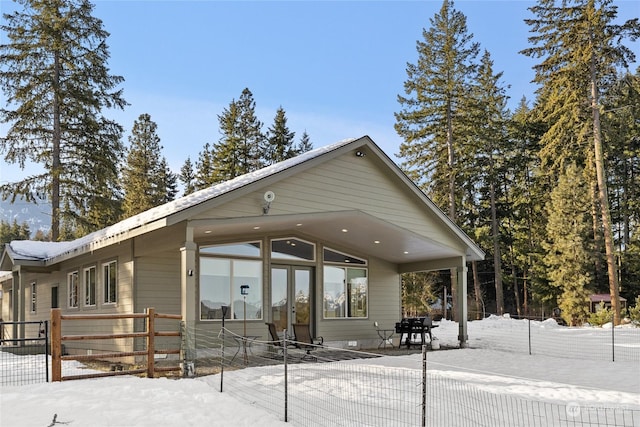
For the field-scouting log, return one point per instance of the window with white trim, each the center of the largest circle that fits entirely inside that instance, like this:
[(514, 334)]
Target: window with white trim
[(34, 300), (222, 279), (90, 286), (72, 289), (110, 282), (345, 287)]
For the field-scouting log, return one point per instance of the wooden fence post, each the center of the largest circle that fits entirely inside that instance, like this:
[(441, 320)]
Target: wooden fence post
[(151, 332), (56, 345)]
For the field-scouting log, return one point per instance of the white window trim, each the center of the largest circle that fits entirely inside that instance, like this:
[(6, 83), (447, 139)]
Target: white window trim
[(105, 284), (70, 292), (95, 286)]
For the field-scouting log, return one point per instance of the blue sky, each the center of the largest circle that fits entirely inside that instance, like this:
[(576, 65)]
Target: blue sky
[(336, 67)]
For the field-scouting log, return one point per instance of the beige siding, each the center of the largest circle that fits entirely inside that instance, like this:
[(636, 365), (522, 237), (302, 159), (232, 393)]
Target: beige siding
[(344, 184), (384, 307)]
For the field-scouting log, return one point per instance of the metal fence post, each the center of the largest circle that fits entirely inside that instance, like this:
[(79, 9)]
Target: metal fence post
[(613, 341), (286, 389), (46, 348), (529, 324), (424, 385)]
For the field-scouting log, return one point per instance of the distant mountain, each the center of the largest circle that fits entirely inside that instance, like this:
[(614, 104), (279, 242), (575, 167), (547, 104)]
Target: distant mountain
[(38, 216)]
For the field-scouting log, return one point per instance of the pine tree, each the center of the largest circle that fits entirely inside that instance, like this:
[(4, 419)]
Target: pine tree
[(581, 48), (526, 195), (204, 174), (280, 140), (305, 144), (433, 118), (238, 151), (187, 177), (55, 77), (489, 161), (13, 231), (568, 248), (146, 179)]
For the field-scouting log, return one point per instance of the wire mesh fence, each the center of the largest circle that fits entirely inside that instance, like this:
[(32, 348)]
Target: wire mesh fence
[(24, 360), (546, 337), (324, 386)]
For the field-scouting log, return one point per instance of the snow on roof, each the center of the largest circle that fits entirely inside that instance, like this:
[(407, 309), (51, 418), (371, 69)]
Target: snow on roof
[(32, 250), (603, 297)]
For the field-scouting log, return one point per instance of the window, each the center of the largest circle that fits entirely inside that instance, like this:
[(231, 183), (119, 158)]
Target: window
[(221, 279), (72, 289), (90, 286), (110, 282), (345, 288), (34, 301), (54, 297), (293, 249)]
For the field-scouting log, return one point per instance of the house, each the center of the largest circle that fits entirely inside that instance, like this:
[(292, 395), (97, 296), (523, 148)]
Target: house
[(596, 299), (322, 238)]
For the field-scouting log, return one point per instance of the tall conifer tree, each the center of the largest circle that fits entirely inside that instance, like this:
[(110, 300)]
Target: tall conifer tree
[(581, 48), (53, 71), (568, 248), (238, 151), (146, 179), (280, 140), (433, 117)]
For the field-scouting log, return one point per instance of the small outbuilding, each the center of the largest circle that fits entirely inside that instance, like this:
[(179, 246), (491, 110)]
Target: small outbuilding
[(596, 299)]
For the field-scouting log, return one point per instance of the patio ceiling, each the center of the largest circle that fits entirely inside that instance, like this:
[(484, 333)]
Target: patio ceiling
[(352, 230)]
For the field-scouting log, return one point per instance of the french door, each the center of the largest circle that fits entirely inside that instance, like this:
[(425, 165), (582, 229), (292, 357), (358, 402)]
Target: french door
[(291, 290)]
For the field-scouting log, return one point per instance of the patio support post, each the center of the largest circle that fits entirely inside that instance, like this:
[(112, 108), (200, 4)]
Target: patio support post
[(461, 303), (189, 302)]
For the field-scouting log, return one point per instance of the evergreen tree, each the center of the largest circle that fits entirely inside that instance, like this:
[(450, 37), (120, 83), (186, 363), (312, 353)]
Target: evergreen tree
[(489, 160), (53, 71), (187, 177), (568, 248), (204, 174), (238, 151), (280, 144), (146, 179), (433, 120), (13, 231), (581, 48), (525, 198), (168, 180), (305, 144)]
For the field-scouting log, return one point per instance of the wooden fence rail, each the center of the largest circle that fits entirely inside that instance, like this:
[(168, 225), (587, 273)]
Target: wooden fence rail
[(150, 316)]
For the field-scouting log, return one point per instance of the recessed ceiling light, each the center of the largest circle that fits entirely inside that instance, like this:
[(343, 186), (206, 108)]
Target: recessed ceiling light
[(207, 232), (376, 241), (257, 227), (406, 252), (344, 230), (299, 224)]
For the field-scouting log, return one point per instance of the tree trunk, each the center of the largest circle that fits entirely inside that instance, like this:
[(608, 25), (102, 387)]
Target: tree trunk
[(497, 259), (55, 152), (604, 198), (476, 290)]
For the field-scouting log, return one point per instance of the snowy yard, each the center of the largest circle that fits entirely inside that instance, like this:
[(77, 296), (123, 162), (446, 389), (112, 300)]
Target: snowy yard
[(474, 386)]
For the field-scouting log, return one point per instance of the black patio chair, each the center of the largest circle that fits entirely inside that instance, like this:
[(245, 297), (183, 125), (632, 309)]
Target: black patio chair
[(305, 341), (276, 342)]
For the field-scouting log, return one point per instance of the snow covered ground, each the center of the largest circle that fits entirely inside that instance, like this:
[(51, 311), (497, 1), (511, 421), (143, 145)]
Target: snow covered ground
[(459, 378)]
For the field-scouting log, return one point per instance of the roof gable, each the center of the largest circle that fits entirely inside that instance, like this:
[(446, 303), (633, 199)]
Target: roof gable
[(184, 207)]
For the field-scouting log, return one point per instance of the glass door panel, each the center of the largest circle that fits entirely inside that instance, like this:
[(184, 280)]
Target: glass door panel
[(302, 295), (291, 288), (279, 297)]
